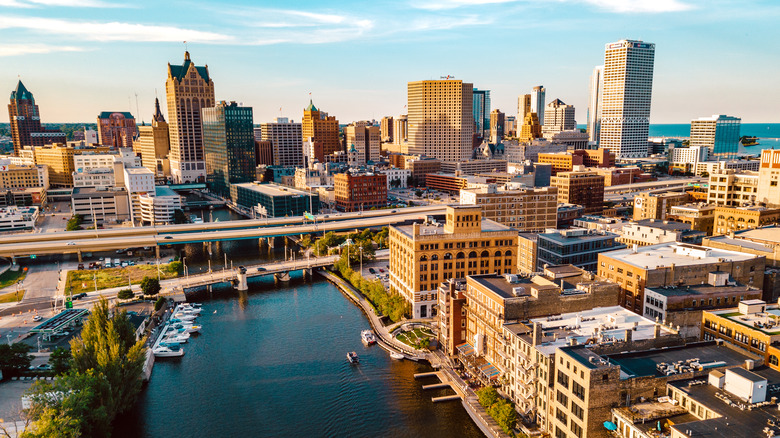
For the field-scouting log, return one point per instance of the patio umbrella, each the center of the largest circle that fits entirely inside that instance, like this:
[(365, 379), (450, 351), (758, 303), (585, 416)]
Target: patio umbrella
[(610, 425)]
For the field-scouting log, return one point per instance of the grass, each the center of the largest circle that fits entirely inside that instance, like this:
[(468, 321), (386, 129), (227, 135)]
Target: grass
[(11, 297), (414, 337), (84, 280), (10, 277)]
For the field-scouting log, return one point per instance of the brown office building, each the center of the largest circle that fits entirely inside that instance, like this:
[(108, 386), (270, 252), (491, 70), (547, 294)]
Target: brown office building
[(319, 126), (154, 145), (116, 129), (656, 205), (264, 152), (26, 128), (580, 187), (358, 192), (526, 209)]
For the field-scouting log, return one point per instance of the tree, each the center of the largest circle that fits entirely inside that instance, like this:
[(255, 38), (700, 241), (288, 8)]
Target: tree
[(74, 223), (504, 413), (179, 217), (487, 396), (60, 360), (150, 286), (107, 347), (159, 303), (418, 193), (14, 359), (125, 294)]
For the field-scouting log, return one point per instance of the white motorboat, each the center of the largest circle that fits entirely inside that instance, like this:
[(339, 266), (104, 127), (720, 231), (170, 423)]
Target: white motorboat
[(397, 356), (367, 336), (176, 337), (353, 358), (185, 308), (185, 316), (173, 350)]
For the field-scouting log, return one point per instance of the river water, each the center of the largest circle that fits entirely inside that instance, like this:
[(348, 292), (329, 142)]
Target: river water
[(272, 363)]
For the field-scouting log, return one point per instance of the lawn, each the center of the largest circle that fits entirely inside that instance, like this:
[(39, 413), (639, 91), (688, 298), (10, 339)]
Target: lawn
[(84, 280), (10, 277), (11, 297), (415, 338)]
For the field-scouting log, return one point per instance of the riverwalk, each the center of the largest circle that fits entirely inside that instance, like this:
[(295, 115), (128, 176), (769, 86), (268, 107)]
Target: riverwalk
[(438, 360)]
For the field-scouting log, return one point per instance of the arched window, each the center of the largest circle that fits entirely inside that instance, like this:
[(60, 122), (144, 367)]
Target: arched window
[(423, 258), (485, 254), (434, 257), (497, 254), (772, 360), (460, 256), (447, 256), (508, 253), (473, 255)]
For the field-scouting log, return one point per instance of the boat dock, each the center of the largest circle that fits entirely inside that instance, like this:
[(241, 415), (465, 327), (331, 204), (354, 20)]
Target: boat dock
[(444, 382)]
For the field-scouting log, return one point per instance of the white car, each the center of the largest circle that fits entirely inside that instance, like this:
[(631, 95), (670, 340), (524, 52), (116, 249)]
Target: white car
[(71, 243)]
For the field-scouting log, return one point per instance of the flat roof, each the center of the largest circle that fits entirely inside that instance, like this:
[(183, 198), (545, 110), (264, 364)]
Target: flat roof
[(164, 191), (90, 190), (768, 234), (700, 289), (570, 239), (755, 246), (646, 363), (488, 226), (679, 254), (663, 225), (138, 170), (765, 322), (272, 189)]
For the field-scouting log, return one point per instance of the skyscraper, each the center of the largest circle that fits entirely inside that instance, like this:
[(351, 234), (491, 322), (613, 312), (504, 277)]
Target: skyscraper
[(366, 140), (594, 104), (496, 126), (116, 129), (523, 107), (26, 129), (481, 111), (188, 89), (153, 143), (441, 124), (319, 126), (719, 133), (558, 117), (286, 141), (530, 129), (537, 102), (627, 85), (386, 128), (229, 146)]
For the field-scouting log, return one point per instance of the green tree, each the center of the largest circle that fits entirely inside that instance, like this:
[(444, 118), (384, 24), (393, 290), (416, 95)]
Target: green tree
[(60, 360), (159, 303), (505, 415), (179, 217), (150, 286), (107, 346), (487, 396), (74, 223), (14, 358), (125, 294)]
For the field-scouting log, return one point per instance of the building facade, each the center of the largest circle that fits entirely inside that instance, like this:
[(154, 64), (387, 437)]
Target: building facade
[(276, 200), (656, 205), (627, 85), (358, 192), (318, 126), (733, 188), (154, 145), (769, 178), (229, 146), (719, 134), (558, 117), (189, 88), (594, 104), (524, 208), (440, 119), (116, 129), (366, 139), (25, 121), (580, 187), (286, 139), (481, 111), (578, 247)]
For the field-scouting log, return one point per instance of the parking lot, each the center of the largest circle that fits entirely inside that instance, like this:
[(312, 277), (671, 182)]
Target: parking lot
[(377, 270)]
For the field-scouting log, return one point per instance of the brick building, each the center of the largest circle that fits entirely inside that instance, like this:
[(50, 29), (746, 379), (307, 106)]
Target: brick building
[(358, 192)]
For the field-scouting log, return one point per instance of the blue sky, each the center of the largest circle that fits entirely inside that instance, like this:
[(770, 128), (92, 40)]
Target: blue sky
[(80, 57)]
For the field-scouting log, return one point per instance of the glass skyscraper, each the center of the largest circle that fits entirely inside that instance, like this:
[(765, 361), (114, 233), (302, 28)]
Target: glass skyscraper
[(719, 133), (481, 110), (229, 146)]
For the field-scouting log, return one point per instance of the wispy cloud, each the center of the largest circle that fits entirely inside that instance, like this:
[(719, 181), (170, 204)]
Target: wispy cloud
[(114, 31), (33, 49), (436, 5), (641, 6), (61, 3)]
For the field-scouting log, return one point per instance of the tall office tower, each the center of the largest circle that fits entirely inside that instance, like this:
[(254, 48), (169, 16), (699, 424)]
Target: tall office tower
[(318, 126), (558, 117), (188, 89), (386, 129), (481, 111), (154, 145), (530, 129), (441, 124), (537, 102), (400, 129), (286, 141), (26, 129), (229, 146), (594, 104), (366, 140), (523, 107), (116, 129), (719, 133), (625, 100), (496, 126)]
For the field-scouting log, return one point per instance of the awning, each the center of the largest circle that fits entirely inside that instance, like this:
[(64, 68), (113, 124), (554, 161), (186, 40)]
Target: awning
[(489, 371), (465, 349)]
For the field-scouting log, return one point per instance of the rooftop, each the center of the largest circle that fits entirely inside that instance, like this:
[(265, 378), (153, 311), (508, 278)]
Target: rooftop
[(578, 235), (663, 225), (679, 254), (767, 322), (703, 289), (138, 171), (767, 234), (164, 191), (437, 228), (272, 189), (755, 246)]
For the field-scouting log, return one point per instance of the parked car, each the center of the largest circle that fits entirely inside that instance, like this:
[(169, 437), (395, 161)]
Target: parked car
[(44, 366), (261, 269), (79, 296), (372, 270), (81, 266)]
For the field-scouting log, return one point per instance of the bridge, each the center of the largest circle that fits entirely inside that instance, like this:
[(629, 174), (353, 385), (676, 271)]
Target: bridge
[(90, 241)]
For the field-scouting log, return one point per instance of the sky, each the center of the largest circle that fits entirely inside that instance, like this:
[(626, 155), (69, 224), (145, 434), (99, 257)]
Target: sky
[(81, 57)]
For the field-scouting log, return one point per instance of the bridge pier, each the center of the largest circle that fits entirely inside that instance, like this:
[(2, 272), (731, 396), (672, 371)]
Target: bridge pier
[(307, 273), (282, 276), (157, 252), (241, 284), (80, 258), (271, 242)]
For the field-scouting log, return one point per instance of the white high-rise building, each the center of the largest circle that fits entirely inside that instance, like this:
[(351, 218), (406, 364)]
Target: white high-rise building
[(625, 99), (719, 133), (286, 141), (594, 104), (537, 103), (558, 117), (441, 124)]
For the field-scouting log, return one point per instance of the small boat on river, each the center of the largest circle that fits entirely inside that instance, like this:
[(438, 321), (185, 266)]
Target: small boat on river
[(368, 338), (353, 358), (397, 356)]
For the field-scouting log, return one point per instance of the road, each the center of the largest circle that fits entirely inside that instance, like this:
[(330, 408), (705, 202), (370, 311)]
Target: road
[(118, 241)]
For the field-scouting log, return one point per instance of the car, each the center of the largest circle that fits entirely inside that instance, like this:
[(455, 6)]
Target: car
[(168, 237), (37, 318), (394, 211), (81, 266), (261, 269), (64, 218), (79, 296), (71, 243), (372, 270), (326, 216), (381, 270), (44, 366)]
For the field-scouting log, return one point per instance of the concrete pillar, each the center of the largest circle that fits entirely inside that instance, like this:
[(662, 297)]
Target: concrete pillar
[(80, 258), (241, 281), (157, 252), (271, 242)]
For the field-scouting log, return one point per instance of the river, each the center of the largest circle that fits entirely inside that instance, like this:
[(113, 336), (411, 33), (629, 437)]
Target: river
[(271, 363)]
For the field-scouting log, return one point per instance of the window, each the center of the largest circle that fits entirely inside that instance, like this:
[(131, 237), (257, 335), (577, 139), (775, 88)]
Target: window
[(562, 399), (563, 379), (577, 410), (578, 390)]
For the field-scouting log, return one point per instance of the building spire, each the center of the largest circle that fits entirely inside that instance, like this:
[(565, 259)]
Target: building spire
[(186, 55), (158, 115)]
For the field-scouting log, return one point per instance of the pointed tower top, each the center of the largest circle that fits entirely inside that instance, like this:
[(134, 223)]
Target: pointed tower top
[(21, 93), (311, 106), (158, 116), (186, 55)]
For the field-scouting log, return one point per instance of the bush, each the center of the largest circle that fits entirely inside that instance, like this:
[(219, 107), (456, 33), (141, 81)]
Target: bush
[(125, 294), (150, 286), (74, 223), (159, 303)]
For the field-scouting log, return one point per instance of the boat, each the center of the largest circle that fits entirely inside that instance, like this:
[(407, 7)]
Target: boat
[(176, 336), (352, 357), (186, 308), (185, 316), (397, 356), (168, 351), (367, 336)]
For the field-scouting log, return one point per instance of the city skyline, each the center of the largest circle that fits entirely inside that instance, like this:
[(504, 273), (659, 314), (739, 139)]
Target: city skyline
[(79, 59)]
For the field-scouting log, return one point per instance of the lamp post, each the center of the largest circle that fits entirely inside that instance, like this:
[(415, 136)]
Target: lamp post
[(361, 261)]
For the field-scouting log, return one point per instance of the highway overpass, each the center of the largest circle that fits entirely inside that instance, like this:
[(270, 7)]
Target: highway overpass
[(93, 243)]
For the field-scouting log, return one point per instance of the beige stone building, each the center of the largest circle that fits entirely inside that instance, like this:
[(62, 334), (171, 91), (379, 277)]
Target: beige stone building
[(656, 205), (58, 158), (14, 176), (523, 208), (365, 138), (730, 219), (733, 188), (440, 120), (699, 216), (769, 178), (424, 255), (153, 144), (527, 244)]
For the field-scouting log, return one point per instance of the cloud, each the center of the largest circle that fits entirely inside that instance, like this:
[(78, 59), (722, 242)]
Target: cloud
[(436, 5), (641, 6), (114, 31), (30, 49), (61, 3)]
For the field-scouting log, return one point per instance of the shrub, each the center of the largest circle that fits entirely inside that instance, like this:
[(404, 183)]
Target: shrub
[(150, 286), (159, 303), (125, 294)]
